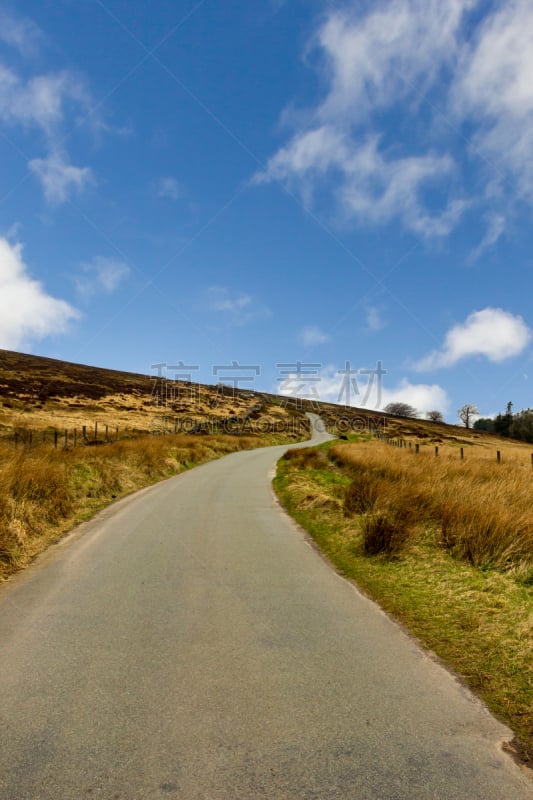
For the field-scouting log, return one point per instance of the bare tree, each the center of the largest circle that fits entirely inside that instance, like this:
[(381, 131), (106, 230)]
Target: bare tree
[(466, 412), (435, 416), (400, 410)]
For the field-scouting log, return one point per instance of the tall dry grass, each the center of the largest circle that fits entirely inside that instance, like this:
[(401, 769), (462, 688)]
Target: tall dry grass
[(44, 491), (481, 511)]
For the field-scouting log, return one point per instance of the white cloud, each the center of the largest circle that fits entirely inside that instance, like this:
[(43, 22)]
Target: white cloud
[(422, 396), (220, 299), (312, 335), (368, 186), (493, 88), (418, 60), (373, 61), (20, 33), (170, 188), (60, 179), (26, 311), (363, 388), (41, 101), (374, 319), (491, 332), (238, 308), (101, 275), (496, 224)]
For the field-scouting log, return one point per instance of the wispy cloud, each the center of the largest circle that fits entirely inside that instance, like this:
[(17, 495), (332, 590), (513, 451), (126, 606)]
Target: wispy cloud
[(312, 335), (237, 308), (374, 319), (101, 275), (373, 60), (492, 332), (496, 224), (169, 188), (27, 311), (21, 33), (433, 67), (51, 103), (371, 63), (60, 179), (493, 89), (41, 101)]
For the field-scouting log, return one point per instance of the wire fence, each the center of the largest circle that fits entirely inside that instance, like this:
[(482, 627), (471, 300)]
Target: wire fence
[(416, 448)]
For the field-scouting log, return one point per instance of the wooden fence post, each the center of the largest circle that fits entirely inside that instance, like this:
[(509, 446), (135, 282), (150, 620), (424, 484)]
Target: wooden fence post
[(417, 448), (498, 456), (462, 453), (436, 450)]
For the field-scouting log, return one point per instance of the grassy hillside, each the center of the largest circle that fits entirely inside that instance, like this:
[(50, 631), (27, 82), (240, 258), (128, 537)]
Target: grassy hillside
[(43, 394), (45, 489)]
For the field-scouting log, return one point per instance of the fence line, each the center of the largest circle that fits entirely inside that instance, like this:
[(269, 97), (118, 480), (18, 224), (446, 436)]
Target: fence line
[(64, 437), (402, 443)]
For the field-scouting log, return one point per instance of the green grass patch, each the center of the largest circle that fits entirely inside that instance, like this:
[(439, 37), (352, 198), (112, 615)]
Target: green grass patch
[(480, 622)]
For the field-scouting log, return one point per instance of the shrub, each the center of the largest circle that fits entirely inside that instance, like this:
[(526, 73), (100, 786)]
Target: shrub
[(361, 495), (383, 534)]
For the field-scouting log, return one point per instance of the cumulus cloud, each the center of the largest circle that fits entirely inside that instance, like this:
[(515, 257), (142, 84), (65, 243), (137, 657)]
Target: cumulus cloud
[(101, 275), (27, 312), (422, 396), (60, 179), (312, 335), (492, 332), (363, 387)]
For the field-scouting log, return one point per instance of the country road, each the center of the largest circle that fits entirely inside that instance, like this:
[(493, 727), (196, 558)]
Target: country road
[(189, 643)]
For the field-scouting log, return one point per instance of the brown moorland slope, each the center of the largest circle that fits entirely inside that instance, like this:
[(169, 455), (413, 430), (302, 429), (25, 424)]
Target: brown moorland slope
[(39, 394)]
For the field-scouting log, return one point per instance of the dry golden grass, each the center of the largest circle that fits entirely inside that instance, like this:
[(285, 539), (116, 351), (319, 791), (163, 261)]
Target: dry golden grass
[(43, 394), (411, 529), (45, 491), (482, 510)]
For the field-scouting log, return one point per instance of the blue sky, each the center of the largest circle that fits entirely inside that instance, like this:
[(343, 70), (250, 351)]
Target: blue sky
[(338, 185)]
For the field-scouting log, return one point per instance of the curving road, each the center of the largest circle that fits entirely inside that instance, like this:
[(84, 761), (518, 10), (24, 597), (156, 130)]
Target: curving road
[(188, 643)]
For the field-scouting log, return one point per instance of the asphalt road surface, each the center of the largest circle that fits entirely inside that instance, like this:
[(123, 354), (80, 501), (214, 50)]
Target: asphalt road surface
[(189, 643)]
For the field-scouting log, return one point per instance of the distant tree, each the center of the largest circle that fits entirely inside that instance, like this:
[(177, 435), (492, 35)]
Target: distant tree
[(435, 416), (522, 426), (400, 410), (484, 424), (503, 422), (466, 414)]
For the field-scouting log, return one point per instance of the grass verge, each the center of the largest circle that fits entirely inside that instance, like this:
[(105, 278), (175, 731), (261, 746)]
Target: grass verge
[(472, 607), (45, 492)]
